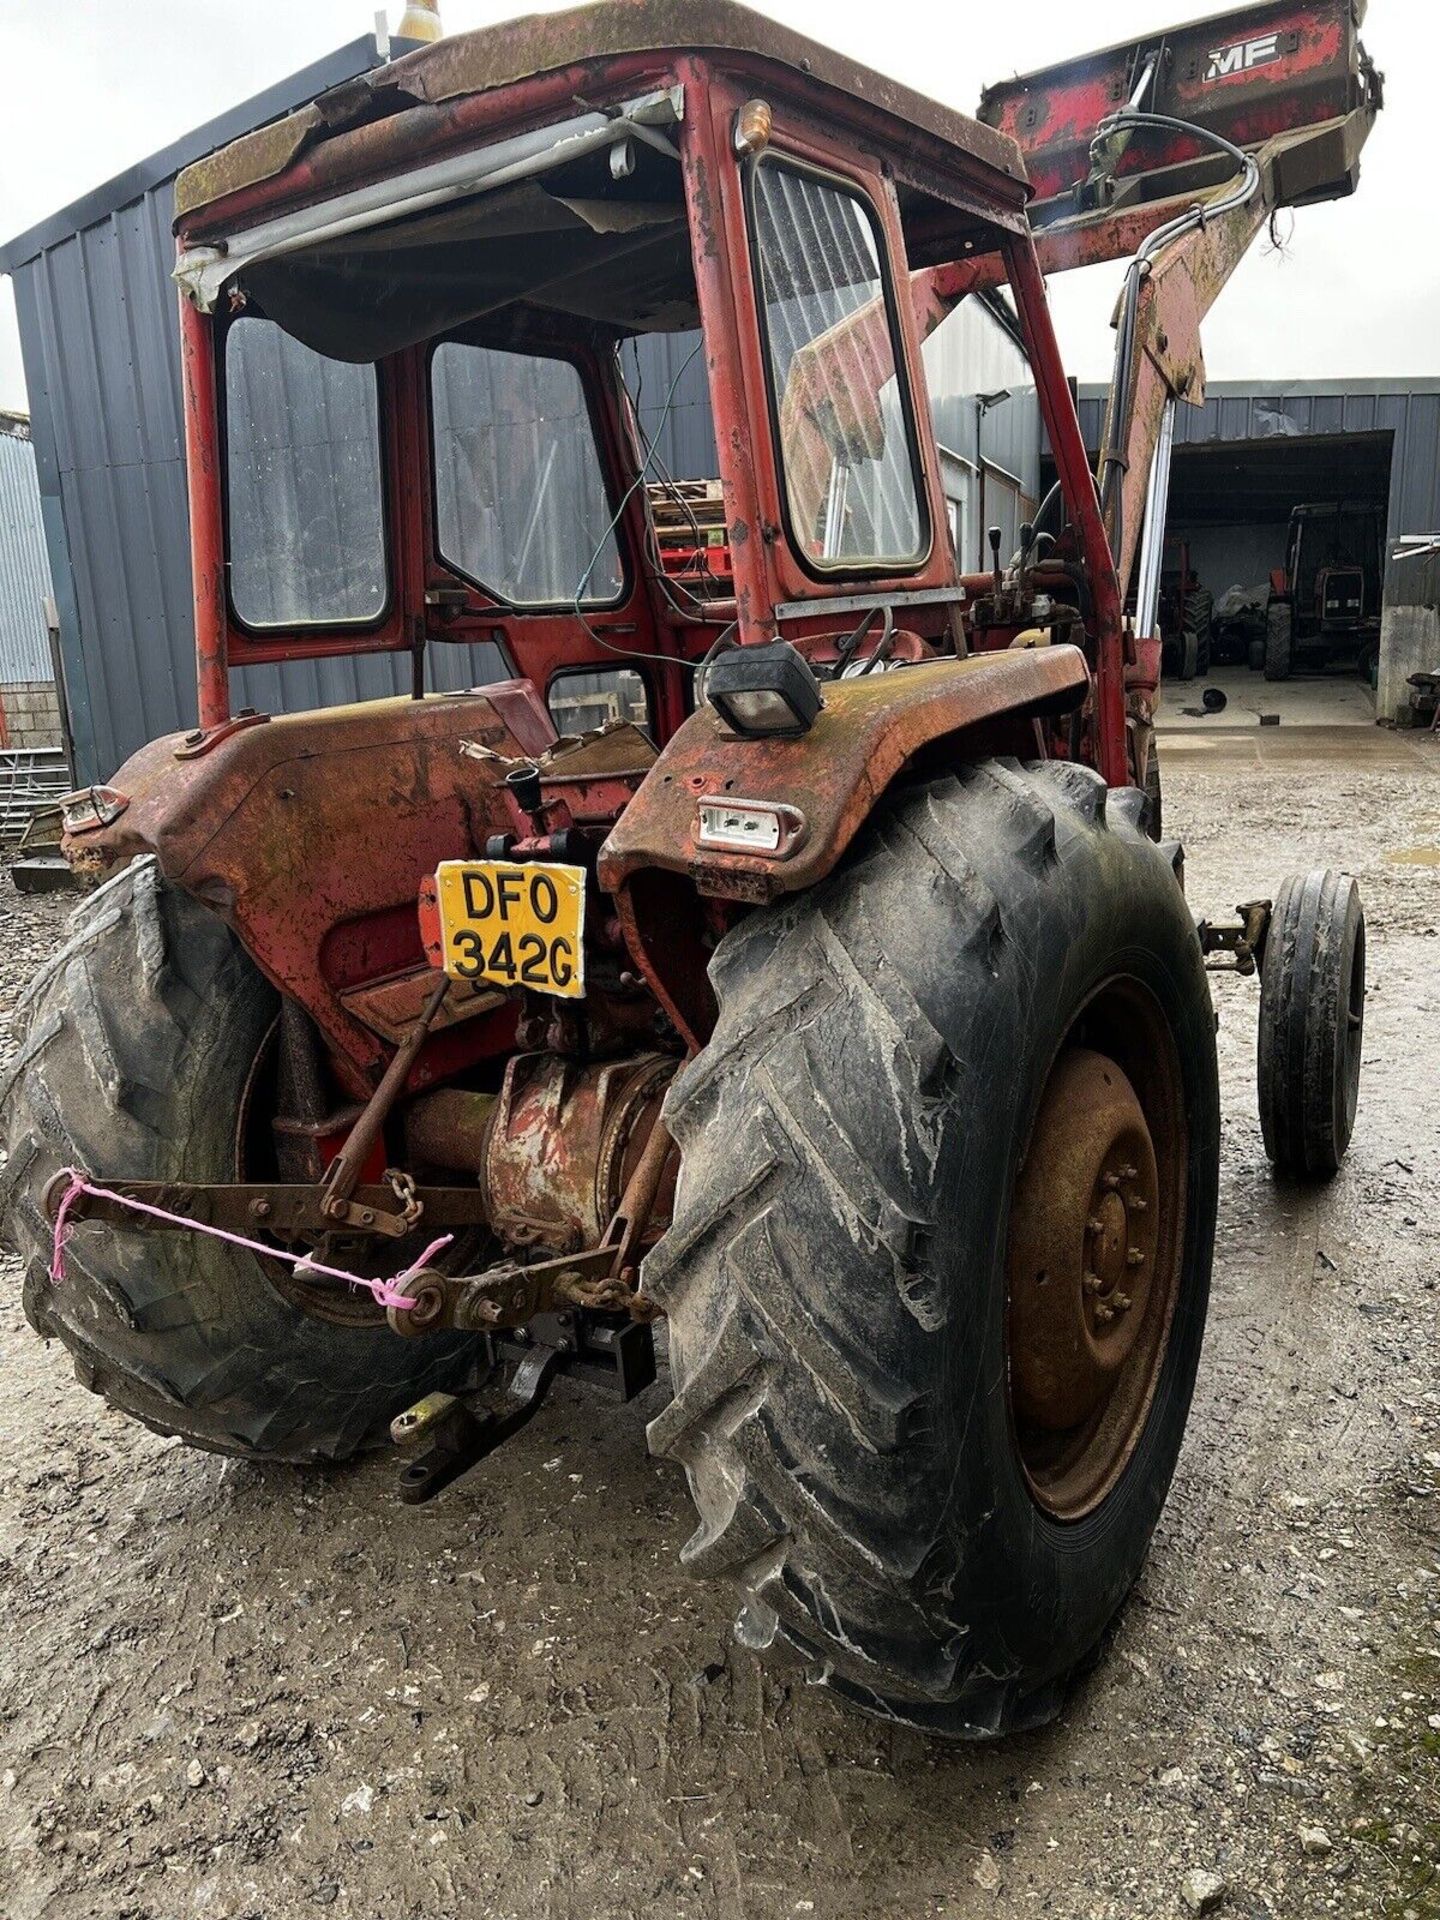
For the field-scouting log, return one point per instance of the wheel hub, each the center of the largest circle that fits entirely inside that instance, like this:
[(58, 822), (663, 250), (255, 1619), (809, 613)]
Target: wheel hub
[(1086, 1316)]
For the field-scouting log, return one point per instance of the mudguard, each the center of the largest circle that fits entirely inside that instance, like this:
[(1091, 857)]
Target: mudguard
[(829, 779)]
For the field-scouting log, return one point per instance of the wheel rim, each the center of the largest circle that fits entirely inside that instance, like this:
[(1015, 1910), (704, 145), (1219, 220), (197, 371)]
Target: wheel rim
[(1095, 1256)]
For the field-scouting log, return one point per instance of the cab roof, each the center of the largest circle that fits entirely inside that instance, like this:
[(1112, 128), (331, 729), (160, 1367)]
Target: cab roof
[(587, 37)]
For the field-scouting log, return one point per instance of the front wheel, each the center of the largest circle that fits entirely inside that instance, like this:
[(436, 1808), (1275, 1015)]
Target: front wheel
[(1279, 640), (1312, 1023), (937, 1277)]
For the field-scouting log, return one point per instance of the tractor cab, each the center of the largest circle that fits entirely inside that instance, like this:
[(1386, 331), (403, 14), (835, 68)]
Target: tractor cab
[(410, 314)]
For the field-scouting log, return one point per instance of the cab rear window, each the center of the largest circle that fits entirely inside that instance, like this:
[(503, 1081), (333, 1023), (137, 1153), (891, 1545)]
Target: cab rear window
[(520, 502), (304, 489)]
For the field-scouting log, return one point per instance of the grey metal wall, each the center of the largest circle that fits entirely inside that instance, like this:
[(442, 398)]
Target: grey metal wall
[(1236, 411), (99, 333), (24, 567)]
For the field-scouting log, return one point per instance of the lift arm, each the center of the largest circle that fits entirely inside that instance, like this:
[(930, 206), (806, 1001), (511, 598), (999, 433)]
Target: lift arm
[(1174, 151)]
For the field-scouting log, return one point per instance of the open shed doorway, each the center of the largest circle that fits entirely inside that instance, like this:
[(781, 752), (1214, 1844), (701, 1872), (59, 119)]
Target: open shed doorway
[(1288, 530), (1230, 552)]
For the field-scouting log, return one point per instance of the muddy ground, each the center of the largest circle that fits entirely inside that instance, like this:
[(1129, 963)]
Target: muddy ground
[(235, 1692)]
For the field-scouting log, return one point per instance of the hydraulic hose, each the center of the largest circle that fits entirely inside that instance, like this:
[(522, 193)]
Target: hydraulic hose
[(1112, 459)]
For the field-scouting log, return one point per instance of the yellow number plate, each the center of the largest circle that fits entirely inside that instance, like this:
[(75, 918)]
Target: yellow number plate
[(515, 923)]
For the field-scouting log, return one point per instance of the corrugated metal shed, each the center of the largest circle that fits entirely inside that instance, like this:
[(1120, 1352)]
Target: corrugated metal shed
[(24, 566), (1242, 411), (99, 332)]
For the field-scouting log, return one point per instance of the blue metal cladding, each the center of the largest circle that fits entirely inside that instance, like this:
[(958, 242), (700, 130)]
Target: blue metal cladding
[(100, 337), (1240, 411)]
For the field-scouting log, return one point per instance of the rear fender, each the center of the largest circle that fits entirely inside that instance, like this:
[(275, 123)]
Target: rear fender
[(869, 731), (310, 833)]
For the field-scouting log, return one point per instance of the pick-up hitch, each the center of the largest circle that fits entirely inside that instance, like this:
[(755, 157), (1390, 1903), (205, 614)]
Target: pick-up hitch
[(462, 1429)]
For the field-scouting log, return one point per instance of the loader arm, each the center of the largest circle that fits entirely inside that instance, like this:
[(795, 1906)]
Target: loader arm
[(1173, 152)]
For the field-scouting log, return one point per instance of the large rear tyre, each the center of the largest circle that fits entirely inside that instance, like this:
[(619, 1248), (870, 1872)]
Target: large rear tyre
[(928, 1400), (1279, 639), (1312, 1023), (1154, 818), (136, 1048)]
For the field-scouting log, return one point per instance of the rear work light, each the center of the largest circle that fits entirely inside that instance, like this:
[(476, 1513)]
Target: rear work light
[(92, 808), (759, 691)]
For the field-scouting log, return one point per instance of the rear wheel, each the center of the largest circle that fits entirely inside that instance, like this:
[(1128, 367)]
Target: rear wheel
[(937, 1277), (139, 1045), (1312, 1023), (1279, 639)]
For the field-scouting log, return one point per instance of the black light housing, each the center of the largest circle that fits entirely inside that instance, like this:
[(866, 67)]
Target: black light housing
[(764, 691)]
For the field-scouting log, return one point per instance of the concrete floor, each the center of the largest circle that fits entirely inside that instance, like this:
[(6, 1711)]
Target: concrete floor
[(244, 1694), (1313, 700)]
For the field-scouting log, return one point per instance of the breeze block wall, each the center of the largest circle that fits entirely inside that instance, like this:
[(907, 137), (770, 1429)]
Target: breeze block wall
[(32, 715)]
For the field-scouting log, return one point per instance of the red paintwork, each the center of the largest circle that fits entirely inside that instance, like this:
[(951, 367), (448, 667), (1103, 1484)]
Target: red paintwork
[(326, 905), (868, 729), (1053, 115), (1057, 409), (207, 518), (311, 835)]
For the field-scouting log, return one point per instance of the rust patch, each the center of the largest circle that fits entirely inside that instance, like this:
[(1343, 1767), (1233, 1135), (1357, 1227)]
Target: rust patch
[(868, 730)]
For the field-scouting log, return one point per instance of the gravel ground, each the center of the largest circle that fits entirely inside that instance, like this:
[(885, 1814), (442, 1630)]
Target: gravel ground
[(231, 1692)]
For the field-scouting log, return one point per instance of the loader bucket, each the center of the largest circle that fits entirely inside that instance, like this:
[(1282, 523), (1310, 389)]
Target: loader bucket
[(1253, 76)]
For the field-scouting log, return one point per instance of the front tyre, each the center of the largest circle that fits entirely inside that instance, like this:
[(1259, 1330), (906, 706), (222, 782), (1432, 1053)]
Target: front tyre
[(1279, 640), (1312, 1023), (138, 1046), (938, 1271)]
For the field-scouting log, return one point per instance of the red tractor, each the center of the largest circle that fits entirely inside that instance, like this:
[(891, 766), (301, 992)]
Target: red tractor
[(1327, 598), (831, 1004)]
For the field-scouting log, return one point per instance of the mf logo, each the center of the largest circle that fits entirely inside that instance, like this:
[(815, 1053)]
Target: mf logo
[(1243, 56)]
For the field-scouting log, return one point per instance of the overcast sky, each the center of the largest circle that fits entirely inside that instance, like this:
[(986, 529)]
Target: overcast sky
[(98, 84)]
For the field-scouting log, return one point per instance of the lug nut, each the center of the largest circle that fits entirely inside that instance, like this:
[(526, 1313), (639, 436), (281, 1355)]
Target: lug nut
[(1135, 1258), (1128, 1173), (1104, 1314), (1095, 1224), (1092, 1283), (1111, 1182), (1120, 1302), (1137, 1203)]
